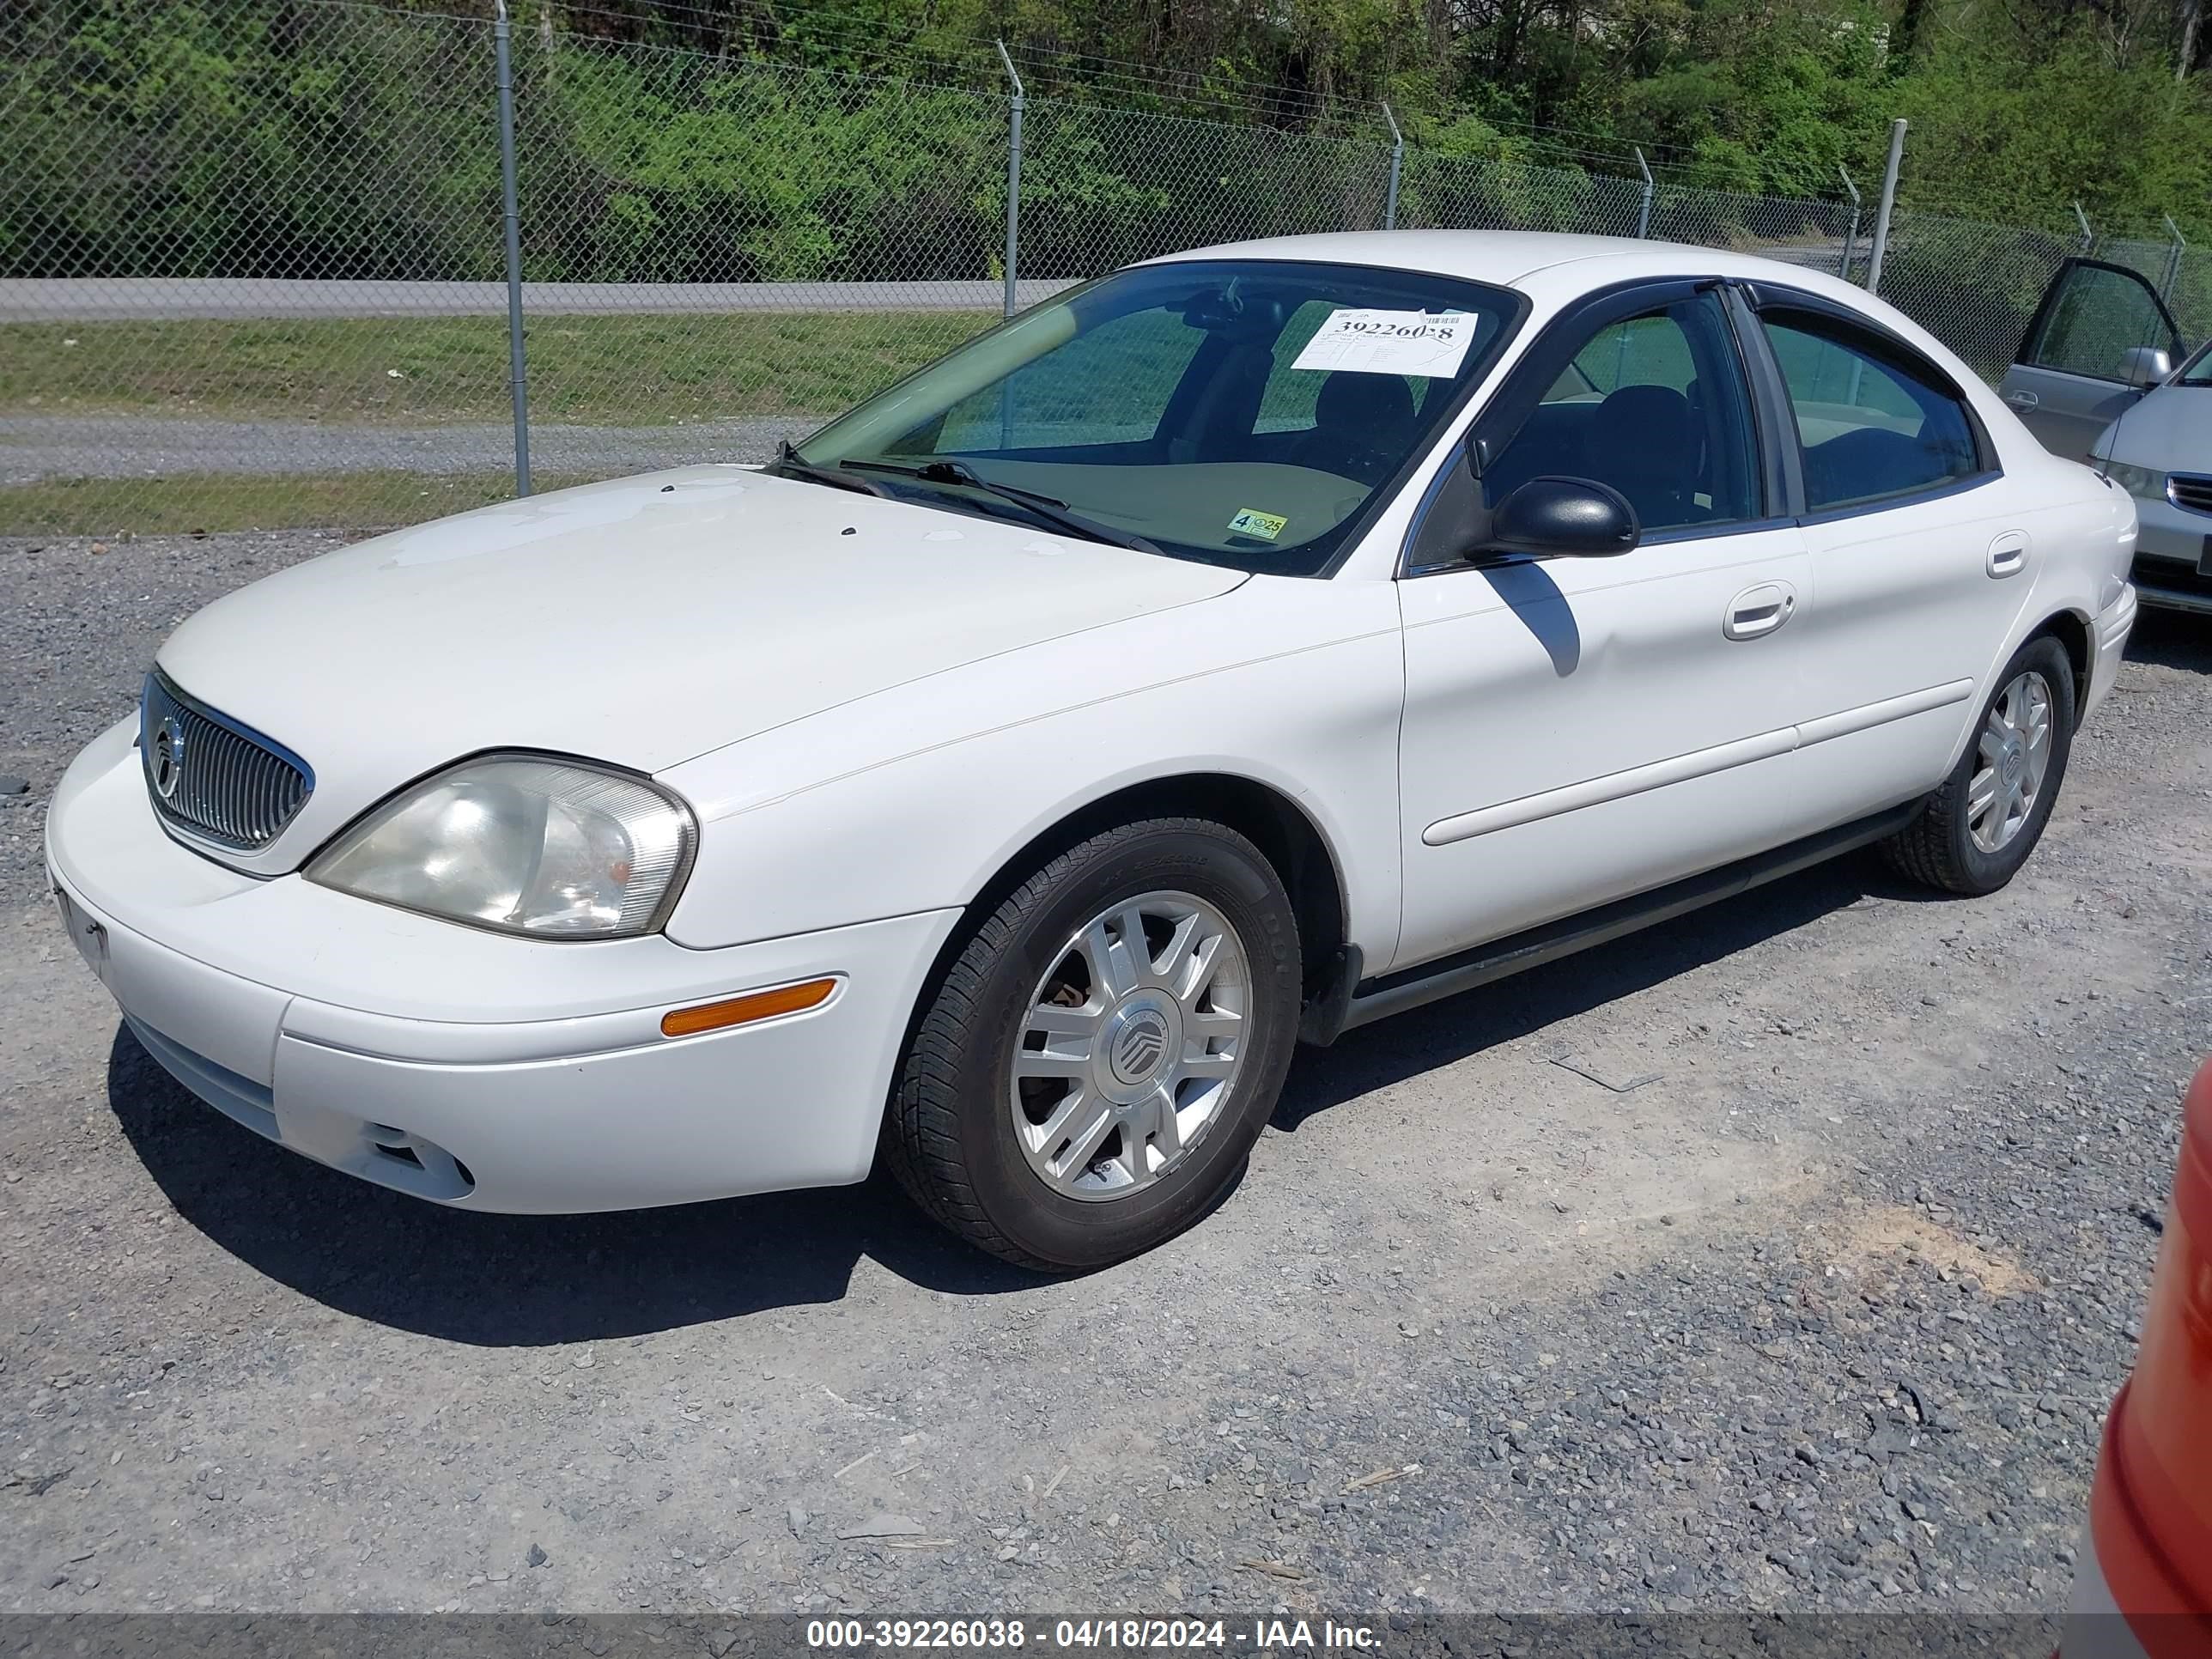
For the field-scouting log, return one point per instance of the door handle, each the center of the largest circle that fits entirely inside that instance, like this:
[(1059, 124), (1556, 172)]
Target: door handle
[(2022, 399), (1757, 611), (2009, 555)]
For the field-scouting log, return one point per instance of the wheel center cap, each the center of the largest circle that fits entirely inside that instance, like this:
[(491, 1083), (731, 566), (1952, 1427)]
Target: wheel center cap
[(1137, 1041), (2015, 762)]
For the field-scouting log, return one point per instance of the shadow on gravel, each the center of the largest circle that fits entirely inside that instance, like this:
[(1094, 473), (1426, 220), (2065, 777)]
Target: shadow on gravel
[(1376, 1056), (502, 1281), (2173, 639)]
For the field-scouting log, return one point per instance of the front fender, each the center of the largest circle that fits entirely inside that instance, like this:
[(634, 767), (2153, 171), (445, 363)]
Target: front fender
[(913, 800)]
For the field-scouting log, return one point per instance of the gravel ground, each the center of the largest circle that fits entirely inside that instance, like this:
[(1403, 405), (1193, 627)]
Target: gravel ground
[(36, 448), (1827, 1315)]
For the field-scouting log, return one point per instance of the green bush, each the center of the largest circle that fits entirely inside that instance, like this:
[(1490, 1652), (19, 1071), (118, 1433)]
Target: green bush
[(255, 139), (183, 140)]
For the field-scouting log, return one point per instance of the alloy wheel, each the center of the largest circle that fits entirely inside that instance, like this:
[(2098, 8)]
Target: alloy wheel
[(1131, 1043), (2014, 754)]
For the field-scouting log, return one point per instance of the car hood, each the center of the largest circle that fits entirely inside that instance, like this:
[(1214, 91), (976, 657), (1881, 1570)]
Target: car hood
[(641, 621), (2170, 431)]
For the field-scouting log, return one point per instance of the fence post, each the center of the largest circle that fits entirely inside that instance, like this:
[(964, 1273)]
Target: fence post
[(1643, 213), (517, 371), (1397, 161), (1851, 230), (2088, 236), (1013, 177), (1888, 202), (2172, 259)]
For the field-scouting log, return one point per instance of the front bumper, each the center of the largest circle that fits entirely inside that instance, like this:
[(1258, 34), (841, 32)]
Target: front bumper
[(467, 1067), (2173, 556)]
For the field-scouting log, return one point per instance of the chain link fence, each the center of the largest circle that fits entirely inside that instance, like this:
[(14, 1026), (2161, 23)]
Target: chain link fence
[(253, 268), (719, 254)]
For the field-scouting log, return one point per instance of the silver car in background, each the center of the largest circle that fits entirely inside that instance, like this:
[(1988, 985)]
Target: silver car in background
[(2095, 382)]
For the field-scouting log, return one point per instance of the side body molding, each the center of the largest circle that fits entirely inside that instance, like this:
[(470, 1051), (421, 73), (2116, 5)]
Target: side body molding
[(1701, 763)]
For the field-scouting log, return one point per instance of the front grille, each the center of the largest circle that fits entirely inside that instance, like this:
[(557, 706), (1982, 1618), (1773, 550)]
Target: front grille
[(2191, 490), (2167, 576), (211, 777)]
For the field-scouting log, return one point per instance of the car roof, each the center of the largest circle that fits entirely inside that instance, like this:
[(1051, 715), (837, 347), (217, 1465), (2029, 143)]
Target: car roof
[(1508, 258)]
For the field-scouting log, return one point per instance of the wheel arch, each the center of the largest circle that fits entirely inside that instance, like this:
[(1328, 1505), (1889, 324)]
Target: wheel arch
[(1284, 832), (2067, 625), (2071, 629)]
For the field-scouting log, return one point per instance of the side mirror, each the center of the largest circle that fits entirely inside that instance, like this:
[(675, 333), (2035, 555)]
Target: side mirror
[(2145, 366), (1563, 518)]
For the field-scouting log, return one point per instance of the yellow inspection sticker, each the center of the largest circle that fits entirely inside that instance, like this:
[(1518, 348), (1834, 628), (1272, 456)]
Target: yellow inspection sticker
[(1249, 522)]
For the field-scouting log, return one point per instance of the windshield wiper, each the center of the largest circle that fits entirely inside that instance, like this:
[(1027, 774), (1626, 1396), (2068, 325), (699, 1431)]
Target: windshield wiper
[(786, 465), (1050, 509)]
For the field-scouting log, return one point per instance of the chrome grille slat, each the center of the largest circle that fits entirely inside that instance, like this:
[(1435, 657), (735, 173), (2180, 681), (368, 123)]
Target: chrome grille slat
[(231, 787), (234, 782), (241, 770), (212, 784), (218, 781), (233, 779), (2191, 490), (239, 762), (217, 786), (242, 790)]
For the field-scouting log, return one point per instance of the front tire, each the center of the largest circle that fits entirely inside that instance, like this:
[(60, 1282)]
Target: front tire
[(1975, 832), (1095, 1065)]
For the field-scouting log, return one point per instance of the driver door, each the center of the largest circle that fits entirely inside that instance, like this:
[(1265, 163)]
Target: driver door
[(1578, 730), (2095, 345)]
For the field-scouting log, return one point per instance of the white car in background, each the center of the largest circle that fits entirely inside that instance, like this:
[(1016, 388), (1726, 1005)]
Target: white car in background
[(1240, 647)]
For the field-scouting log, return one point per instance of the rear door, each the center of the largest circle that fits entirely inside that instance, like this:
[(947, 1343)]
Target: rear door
[(1921, 559), (2086, 355)]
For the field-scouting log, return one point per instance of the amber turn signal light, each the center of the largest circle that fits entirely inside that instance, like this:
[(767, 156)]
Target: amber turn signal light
[(742, 1011)]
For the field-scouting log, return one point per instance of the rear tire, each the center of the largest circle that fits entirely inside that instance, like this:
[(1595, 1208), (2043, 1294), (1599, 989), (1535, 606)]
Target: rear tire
[(1973, 833), (1069, 1099)]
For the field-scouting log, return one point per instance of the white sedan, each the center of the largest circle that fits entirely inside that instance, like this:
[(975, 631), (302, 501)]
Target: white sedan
[(1233, 650)]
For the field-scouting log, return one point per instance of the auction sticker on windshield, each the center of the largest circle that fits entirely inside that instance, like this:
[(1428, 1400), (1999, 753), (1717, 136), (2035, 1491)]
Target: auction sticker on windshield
[(1367, 341)]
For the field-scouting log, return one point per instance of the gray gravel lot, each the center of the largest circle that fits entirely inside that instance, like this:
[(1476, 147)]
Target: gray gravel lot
[(1827, 1315)]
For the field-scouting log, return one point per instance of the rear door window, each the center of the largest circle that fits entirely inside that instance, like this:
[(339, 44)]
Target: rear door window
[(1872, 423)]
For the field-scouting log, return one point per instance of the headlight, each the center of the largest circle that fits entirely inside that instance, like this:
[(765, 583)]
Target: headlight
[(2140, 482), (550, 849)]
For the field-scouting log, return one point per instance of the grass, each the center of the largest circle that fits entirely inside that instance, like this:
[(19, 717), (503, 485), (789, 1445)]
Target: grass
[(187, 504), (619, 370)]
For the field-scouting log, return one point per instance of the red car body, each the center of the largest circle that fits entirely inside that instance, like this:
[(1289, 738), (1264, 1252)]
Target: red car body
[(2144, 1585)]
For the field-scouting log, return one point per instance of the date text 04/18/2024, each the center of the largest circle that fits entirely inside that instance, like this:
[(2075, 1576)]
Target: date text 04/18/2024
[(1261, 1636)]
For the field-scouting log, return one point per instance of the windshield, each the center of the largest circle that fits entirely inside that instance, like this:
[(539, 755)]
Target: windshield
[(1242, 413), (2197, 371)]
